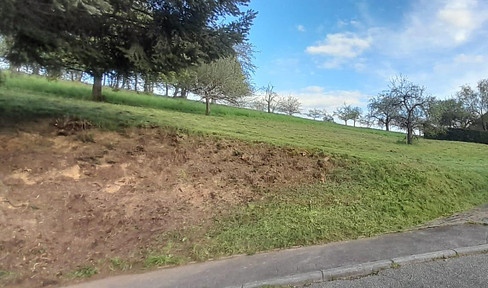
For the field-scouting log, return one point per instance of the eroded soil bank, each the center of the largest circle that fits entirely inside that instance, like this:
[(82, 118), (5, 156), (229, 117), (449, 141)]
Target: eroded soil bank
[(71, 195)]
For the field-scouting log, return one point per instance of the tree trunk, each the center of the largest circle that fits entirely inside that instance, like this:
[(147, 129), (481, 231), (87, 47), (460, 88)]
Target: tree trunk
[(387, 125), (409, 135), (36, 69), (166, 86), (97, 87), (184, 93), (345, 122), (354, 121), (14, 69), (269, 107), (207, 103), (135, 82), (117, 82)]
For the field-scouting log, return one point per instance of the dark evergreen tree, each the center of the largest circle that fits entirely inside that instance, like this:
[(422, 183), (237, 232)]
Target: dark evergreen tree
[(99, 36)]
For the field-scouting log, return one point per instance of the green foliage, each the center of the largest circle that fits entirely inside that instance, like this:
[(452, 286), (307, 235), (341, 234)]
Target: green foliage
[(476, 102), (84, 272), (163, 258), (449, 113), (117, 264), (383, 110), (453, 134), (222, 79), (125, 36)]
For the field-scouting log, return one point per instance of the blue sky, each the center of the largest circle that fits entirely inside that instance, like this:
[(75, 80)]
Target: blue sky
[(327, 52)]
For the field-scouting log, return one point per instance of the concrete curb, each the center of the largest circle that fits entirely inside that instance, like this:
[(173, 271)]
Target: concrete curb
[(367, 268)]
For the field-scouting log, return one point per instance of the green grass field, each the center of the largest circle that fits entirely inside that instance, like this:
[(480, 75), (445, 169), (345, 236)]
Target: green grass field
[(379, 184)]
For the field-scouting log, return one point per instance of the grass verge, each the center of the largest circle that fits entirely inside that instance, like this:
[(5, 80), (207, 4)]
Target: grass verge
[(379, 184)]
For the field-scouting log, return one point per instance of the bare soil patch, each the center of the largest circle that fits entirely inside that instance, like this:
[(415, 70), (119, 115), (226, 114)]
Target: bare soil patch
[(71, 195)]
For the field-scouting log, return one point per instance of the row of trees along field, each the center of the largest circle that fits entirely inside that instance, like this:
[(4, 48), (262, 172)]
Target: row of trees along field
[(407, 106)]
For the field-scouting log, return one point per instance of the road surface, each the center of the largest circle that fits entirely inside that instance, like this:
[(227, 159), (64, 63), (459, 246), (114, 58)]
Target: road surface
[(466, 271)]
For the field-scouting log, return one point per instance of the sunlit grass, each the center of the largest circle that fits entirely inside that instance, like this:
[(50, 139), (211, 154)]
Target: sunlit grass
[(379, 184)]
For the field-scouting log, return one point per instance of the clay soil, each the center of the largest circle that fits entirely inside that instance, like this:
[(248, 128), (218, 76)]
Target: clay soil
[(71, 195)]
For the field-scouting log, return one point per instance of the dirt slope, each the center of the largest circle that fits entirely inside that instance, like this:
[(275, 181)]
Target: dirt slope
[(71, 196)]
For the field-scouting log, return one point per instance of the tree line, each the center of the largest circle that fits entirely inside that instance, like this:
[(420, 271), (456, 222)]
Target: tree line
[(409, 107)]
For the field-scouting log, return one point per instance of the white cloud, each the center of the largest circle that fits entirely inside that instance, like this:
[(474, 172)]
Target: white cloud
[(313, 89), (432, 25), (463, 58), (301, 28), (346, 23), (318, 97), (341, 45)]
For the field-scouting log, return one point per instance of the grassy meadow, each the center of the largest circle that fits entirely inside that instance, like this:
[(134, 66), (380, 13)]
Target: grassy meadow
[(378, 185)]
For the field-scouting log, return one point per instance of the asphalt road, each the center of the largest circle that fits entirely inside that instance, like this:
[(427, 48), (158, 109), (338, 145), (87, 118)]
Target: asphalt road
[(466, 271)]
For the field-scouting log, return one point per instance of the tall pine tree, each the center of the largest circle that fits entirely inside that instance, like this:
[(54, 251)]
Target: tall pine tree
[(98, 36)]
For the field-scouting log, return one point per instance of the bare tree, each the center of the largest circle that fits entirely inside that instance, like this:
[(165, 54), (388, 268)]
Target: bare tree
[(270, 99), (355, 114), (343, 113), (412, 102), (245, 55), (315, 113), (383, 109), (289, 105), (347, 112)]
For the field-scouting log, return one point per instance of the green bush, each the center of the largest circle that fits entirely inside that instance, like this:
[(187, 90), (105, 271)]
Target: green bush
[(463, 135)]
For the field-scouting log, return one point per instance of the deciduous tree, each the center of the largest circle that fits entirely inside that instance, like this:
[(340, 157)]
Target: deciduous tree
[(412, 103), (222, 79), (383, 109), (289, 105), (476, 102), (315, 113)]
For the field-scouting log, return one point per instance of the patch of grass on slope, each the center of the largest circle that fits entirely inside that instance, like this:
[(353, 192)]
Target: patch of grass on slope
[(380, 185), (361, 200)]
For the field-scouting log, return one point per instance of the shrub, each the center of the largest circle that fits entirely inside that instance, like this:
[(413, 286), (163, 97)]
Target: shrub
[(453, 134)]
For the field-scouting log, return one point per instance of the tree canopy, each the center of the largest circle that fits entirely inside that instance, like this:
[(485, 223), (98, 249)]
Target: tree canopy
[(383, 110), (412, 103), (98, 36)]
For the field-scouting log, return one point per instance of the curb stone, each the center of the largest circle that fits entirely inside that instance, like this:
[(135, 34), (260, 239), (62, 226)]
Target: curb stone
[(419, 258), (355, 270), (471, 250), (314, 276), (367, 268)]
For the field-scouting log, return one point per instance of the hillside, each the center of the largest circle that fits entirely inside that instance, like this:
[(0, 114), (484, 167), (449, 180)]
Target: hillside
[(151, 181)]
